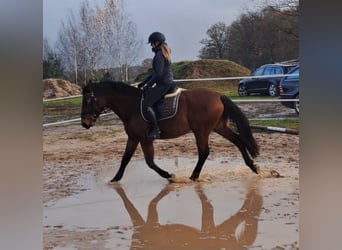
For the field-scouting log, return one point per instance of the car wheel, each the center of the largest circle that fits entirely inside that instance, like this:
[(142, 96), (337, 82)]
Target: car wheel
[(296, 104), (273, 90), (242, 91)]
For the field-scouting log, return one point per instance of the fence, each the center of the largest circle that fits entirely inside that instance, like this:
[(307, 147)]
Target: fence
[(196, 80)]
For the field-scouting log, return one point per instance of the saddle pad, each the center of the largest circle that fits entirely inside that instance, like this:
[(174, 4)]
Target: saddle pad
[(170, 106)]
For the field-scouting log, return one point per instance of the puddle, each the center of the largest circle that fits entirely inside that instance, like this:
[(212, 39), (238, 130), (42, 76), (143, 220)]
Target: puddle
[(235, 210)]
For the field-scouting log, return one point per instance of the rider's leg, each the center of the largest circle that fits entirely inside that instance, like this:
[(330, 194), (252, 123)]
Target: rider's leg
[(153, 95), (154, 132)]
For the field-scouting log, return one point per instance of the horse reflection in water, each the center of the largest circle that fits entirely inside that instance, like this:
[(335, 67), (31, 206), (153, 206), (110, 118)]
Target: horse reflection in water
[(150, 234)]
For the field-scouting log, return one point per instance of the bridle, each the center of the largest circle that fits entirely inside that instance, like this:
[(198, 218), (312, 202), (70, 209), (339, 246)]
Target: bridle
[(91, 99)]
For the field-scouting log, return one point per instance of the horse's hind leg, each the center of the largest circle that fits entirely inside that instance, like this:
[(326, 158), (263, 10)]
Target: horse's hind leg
[(203, 152), (234, 138), (131, 146), (148, 150)]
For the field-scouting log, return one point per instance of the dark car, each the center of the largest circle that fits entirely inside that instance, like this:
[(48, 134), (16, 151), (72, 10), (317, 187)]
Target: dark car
[(289, 89), (260, 83)]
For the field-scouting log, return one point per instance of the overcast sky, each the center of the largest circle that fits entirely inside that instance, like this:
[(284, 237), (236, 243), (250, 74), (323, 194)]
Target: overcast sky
[(184, 22)]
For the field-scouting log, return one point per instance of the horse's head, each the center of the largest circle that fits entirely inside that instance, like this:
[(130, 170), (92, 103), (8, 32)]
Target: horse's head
[(91, 106)]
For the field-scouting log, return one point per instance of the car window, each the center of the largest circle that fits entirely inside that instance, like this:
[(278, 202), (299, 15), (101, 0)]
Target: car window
[(268, 71), (278, 70), (293, 74), (258, 72)]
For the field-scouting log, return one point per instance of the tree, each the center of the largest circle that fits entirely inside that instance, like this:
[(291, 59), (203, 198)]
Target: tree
[(256, 37), (121, 40), (99, 38), (69, 46), (216, 47), (244, 36), (91, 44), (52, 67)]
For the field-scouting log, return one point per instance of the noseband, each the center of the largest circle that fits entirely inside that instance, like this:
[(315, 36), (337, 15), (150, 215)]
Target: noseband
[(92, 100)]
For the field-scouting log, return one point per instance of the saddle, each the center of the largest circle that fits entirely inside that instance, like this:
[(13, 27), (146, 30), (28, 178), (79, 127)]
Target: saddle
[(166, 107)]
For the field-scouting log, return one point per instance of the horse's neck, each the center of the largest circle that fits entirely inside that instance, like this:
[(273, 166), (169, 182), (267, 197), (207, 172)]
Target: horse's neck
[(125, 102)]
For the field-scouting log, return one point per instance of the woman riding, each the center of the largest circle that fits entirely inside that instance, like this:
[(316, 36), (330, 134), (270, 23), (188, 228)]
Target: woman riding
[(158, 83)]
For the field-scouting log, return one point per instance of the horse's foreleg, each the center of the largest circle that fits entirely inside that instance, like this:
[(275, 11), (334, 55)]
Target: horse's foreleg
[(203, 152), (131, 146), (234, 138), (208, 224), (152, 216), (148, 150), (134, 214)]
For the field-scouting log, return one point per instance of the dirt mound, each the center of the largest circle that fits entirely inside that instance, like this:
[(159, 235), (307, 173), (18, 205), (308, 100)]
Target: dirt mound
[(205, 68), (54, 88), (208, 68)]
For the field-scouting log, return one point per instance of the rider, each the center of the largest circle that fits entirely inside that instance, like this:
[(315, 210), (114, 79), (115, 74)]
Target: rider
[(158, 83)]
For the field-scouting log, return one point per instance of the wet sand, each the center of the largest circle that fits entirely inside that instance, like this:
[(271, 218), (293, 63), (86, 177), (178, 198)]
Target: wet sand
[(229, 208)]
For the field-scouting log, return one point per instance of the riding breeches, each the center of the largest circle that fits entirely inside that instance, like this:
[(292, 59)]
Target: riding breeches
[(152, 95)]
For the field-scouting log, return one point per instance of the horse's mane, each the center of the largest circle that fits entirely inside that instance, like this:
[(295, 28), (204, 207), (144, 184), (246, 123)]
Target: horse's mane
[(117, 86)]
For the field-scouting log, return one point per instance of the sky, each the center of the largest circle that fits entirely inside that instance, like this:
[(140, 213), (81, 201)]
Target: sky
[(184, 22)]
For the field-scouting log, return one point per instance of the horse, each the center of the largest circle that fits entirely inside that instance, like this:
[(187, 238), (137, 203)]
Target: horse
[(155, 235), (201, 111)]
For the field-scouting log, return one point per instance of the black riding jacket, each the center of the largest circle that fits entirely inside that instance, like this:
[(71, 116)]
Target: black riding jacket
[(161, 73)]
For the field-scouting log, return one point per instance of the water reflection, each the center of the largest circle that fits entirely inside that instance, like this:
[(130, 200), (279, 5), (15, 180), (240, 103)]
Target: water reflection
[(236, 232)]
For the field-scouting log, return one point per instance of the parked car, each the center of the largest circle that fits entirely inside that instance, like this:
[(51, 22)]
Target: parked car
[(261, 84), (289, 89)]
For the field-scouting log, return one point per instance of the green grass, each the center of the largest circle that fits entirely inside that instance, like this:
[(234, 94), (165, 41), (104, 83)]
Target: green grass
[(63, 102), (64, 109)]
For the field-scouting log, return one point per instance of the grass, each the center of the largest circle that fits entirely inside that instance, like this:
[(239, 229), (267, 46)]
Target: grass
[(70, 108), (64, 109), (63, 102), (55, 110)]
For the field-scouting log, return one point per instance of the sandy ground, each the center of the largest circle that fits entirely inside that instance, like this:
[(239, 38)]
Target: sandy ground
[(230, 208)]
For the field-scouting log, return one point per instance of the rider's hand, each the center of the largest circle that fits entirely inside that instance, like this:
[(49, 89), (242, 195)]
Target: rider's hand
[(140, 85)]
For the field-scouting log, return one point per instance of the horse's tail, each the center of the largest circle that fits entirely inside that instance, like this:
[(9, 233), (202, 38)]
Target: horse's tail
[(234, 113)]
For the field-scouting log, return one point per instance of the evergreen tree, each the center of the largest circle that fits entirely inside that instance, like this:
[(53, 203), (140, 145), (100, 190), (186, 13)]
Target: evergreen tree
[(52, 67)]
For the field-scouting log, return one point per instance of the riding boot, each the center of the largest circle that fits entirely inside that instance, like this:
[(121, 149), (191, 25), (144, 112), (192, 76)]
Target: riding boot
[(154, 132)]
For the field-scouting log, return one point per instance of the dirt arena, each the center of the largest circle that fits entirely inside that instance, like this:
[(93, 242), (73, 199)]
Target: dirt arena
[(230, 208)]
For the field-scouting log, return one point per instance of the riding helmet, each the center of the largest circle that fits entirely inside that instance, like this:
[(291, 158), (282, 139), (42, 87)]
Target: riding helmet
[(156, 37)]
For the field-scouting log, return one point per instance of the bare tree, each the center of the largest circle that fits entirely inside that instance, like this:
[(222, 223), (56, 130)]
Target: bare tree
[(244, 36), (122, 43), (46, 49), (69, 45), (100, 37), (91, 44), (216, 47)]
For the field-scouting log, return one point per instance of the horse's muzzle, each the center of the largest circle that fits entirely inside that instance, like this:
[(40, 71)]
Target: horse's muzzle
[(87, 123)]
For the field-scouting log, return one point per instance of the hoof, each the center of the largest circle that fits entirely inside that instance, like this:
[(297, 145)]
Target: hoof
[(275, 174), (254, 168), (193, 178), (114, 180), (113, 184), (171, 178)]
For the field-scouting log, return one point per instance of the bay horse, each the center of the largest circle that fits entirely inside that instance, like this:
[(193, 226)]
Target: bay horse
[(200, 111), (155, 235)]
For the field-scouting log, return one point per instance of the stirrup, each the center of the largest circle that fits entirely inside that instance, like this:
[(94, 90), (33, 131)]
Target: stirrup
[(153, 135)]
